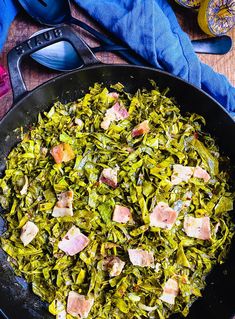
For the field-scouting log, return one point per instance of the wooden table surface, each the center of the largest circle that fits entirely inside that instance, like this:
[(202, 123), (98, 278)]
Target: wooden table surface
[(35, 74)]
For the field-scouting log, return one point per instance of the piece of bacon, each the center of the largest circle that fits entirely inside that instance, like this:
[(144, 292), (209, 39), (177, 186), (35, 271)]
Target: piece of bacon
[(28, 232), (170, 291), (115, 113), (181, 174), (201, 173), (120, 112), (114, 265), (62, 153), (57, 152), (140, 257), (73, 242), (121, 214), (64, 207), (78, 305), (163, 216), (197, 227), (184, 173), (109, 177), (141, 129), (114, 95)]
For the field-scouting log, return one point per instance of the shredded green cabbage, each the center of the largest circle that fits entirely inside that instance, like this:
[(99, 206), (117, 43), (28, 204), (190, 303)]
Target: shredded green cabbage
[(33, 180)]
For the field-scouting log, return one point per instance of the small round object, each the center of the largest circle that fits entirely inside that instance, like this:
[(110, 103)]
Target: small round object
[(191, 4), (216, 17)]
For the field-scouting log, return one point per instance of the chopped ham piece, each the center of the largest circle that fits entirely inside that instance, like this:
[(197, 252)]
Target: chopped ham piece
[(109, 177), (184, 173), (114, 95), (28, 233), (115, 113), (62, 153), (78, 305), (114, 265), (120, 112), (140, 257), (64, 205), (106, 123), (181, 174), (197, 227), (141, 129), (121, 214), (73, 242), (201, 173), (170, 291), (163, 216), (57, 153)]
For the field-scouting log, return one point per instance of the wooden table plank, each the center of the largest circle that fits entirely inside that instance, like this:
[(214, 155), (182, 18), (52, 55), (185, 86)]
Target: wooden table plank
[(35, 74)]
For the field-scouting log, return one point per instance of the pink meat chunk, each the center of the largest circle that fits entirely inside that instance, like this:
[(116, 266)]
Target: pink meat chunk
[(113, 265), (115, 113), (73, 242), (64, 207), (141, 129), (163, 216), (121, 112), (28, 232), (78, 305), (109, 177), (170, 291), (184, 173), (181, 174), (114, 95), (121, 214), (140, 257), (197, 227), (62, 153), (201, 173)]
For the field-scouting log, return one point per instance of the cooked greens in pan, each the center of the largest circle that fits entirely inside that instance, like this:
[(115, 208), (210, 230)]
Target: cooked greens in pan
[(117, 206)]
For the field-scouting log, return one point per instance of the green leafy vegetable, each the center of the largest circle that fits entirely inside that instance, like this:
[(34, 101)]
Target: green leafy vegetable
[(33, 183)]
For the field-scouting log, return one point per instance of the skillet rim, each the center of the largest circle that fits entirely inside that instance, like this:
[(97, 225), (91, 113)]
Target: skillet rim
[(100, 66), (66, 75)]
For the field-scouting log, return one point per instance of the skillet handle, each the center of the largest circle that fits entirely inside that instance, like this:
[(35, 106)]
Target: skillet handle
[(61, 33)]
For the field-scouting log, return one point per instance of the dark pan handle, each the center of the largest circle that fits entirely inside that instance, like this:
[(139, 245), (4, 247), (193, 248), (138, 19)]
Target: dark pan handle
[(62, 33), (2, 315)]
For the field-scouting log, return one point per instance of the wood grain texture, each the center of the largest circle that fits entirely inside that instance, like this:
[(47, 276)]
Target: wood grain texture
[(35, 74)]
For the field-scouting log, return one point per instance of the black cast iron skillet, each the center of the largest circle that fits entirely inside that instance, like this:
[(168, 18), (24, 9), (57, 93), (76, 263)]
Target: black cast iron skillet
[(16, 298)]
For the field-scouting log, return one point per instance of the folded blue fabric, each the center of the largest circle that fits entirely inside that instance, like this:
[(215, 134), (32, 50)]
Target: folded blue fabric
[(8, 11), (151, 29)]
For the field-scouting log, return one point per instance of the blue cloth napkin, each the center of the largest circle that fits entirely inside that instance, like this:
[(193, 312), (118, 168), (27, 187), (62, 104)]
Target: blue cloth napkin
[(151, 29), (8, 11)]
